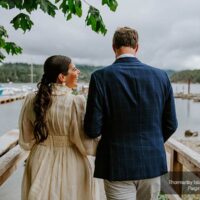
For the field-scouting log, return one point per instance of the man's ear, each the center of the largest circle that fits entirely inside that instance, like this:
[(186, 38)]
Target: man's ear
[(136, 48)]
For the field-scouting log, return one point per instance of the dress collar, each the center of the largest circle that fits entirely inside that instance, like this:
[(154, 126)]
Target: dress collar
[(59, 89)]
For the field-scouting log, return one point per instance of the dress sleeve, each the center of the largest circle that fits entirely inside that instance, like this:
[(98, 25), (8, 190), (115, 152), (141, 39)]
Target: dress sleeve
[(86, 145), (26, 119)]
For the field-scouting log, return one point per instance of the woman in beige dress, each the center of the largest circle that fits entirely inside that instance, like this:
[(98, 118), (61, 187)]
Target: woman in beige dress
[(51, 128)]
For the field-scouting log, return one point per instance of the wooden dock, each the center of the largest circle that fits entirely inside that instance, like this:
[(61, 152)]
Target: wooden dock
[(194, 97), (9, 99)]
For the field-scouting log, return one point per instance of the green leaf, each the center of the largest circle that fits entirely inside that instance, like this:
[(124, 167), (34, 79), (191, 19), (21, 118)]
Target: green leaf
[(78, 11), (4, 4), (69, 16), (103, 28), (64, 7), (71, 5), (88, 21), (104, 2), (98, 25), (78, 8), (2, 42), (56, 1), (48, 7), (95, 20), (43, 5), (22, 21), (11, 4), (112, 4), (12, 48), (2, 57), (3, 32), (30, 5), (19, 4)]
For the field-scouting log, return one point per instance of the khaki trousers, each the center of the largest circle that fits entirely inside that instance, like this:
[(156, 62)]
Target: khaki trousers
[(146, 189)]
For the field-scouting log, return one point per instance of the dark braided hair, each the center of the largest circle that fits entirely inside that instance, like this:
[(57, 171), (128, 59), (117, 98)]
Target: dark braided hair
[(53, 66)]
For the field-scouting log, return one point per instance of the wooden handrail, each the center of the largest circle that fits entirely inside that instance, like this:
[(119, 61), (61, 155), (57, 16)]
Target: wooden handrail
[(8, 140), (181, 157), (10, 154), (184, 151)]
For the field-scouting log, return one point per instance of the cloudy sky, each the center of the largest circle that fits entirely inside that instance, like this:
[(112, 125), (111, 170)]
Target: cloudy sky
[(169, 34)]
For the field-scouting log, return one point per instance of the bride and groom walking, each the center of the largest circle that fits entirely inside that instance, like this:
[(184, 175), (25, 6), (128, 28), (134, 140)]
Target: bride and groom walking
[(130, 107)]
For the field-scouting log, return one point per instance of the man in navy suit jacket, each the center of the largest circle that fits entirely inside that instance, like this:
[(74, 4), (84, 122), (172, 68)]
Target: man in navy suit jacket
[(131, 106)]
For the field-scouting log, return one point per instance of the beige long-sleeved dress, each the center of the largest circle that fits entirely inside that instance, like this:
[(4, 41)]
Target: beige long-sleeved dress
[(58, 168)]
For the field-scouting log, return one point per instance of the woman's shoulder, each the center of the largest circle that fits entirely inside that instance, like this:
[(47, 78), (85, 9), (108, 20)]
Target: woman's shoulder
[(79, 100), (30, 97)]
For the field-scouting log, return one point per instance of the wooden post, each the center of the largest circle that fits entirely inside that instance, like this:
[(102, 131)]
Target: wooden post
[(176, 170), (189, 85)]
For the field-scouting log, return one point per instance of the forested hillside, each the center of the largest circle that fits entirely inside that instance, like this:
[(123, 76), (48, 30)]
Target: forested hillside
[(21, 72), (184, 76)]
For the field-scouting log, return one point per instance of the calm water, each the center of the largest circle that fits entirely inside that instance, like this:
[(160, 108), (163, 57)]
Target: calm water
[(187, 113)]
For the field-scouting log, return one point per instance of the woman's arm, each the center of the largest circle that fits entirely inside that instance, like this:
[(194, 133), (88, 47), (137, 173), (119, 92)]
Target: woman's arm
[(26, 135)]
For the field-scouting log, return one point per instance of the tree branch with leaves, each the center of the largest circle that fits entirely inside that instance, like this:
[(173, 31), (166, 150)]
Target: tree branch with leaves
[(67, 7)]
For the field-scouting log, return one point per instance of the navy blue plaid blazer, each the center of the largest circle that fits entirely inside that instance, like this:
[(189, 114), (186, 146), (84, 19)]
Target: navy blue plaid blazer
[(131, 105)]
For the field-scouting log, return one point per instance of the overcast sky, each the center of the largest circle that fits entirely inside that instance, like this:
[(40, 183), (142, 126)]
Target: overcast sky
[(169, 34)]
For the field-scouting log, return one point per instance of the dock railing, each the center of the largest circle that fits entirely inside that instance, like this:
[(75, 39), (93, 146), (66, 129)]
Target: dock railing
[(180, 156), (10, 154), (181, 159)]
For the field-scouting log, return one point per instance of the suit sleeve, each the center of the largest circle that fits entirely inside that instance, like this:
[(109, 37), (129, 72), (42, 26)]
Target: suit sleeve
[(169, 115), (93, 121)]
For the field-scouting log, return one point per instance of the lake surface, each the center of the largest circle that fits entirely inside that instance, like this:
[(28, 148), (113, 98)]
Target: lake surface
[(187, 114)]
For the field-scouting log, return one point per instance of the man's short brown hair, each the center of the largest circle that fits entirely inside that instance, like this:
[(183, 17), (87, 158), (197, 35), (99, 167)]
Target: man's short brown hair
[(125, 36)]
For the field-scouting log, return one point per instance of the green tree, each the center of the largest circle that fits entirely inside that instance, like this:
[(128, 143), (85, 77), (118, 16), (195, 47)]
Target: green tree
[(68, 7), (185, 75)]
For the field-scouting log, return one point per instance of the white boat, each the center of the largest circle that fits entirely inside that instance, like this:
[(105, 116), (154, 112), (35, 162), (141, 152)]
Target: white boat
[(11, 91)]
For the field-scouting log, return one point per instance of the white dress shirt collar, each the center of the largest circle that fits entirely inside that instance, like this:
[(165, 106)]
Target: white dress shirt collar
[(125, 55)]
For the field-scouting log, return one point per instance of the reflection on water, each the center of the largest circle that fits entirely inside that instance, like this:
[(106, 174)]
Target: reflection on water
[(188, 108), (9, 114), (188, 116), (183, 87)]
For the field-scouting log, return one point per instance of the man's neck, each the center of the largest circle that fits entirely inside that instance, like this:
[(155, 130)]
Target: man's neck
[(125, 50)]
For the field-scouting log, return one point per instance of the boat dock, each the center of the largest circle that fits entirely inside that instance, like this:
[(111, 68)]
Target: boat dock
[(194, 97), (8, 99)]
